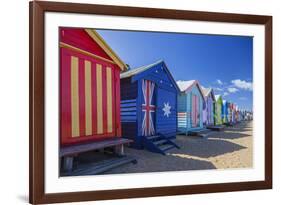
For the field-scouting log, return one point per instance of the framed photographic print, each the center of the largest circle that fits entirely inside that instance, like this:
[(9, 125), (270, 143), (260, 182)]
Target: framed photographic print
[(138, 102)]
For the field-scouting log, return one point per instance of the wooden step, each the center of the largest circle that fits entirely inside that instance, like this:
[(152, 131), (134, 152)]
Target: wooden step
[(160, 142), (101, 167), (166, 147), (153, 137)]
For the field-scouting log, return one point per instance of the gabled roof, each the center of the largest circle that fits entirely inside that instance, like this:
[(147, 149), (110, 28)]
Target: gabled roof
[(225, 102), (97, 38), (185, 86), (138, 70), (144, 70), (217, 97), (208, 91)]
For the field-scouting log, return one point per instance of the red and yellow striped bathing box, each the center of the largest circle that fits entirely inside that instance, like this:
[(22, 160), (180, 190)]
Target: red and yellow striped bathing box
[(89, 87)]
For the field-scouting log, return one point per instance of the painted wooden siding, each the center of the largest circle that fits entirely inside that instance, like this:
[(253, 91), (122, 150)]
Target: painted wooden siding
[(166, 124), (129, 130), (229, 112), (205, 112), (225, 112), (208, 112), (233, 113), (182, 114), (194, 91), (128, 106), (128, 89), (128, 110), (218, 112), (188, 110)]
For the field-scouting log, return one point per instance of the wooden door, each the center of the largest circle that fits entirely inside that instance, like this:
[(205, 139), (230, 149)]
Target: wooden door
[(195, 111), (148, 108), (166, 115)]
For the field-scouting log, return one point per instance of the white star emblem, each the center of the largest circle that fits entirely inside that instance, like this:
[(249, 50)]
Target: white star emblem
[(167, 109)]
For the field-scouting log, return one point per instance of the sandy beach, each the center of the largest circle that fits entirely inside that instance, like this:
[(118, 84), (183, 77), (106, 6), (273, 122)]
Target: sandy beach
[(230, 148)]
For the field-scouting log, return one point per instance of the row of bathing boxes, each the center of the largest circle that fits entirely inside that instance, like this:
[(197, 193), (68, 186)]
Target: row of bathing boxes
[(104, 104)]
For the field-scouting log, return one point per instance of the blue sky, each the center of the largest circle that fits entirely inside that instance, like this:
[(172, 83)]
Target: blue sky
[(224, 63)]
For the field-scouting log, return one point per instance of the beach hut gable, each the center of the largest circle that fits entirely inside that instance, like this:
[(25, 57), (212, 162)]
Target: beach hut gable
[(156, 72), (189, 85), (88, 42), (190, 106), (209, 92)]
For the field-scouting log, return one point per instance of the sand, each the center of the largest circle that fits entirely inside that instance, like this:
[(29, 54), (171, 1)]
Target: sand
[(230, 148)]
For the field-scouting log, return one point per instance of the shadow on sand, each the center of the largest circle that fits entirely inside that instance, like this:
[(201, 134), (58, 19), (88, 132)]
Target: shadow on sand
[(227, 135), (205, 148), (166, 163), (239, 129)]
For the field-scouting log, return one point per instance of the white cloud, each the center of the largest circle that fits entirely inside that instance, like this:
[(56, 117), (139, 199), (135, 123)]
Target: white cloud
[(225, 94), (219, 82), (232, 90), (218, 89), (242, 84)]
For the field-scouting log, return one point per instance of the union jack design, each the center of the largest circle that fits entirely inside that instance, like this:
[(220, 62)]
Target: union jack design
[(147, 108)]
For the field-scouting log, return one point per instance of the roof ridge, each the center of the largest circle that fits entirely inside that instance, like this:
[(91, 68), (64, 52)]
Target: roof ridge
[(137, 70)]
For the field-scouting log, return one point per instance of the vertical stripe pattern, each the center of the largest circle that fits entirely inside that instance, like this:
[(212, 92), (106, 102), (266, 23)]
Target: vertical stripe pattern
[(99, 100), (109, 98), (74, 98), (87, 98)]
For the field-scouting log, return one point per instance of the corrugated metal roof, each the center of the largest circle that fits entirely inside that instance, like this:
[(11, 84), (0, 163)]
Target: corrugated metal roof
[(136, 71)]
